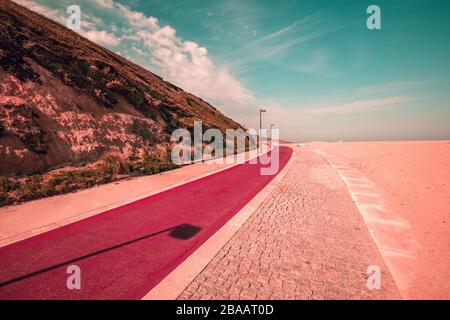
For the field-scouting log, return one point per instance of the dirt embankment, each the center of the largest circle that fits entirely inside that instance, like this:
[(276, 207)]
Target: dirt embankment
[(68, 103)]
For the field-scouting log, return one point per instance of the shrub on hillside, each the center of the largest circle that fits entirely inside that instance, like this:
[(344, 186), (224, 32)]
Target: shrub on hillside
[(114, 165), (4, 199), (111, 168), (151, 165)]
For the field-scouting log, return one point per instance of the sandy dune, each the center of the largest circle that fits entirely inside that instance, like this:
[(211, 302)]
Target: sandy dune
[(413, 177)]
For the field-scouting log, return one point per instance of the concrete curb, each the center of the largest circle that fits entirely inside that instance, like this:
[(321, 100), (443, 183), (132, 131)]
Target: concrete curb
[(180, 278), (390, 232)]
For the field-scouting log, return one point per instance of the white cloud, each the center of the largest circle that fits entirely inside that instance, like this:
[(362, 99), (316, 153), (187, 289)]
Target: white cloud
[(360, 106), (88, 22), (102, 38), (159, 48), (182, 62), (308, 20), (52, 14), (390, 87), (137, 19), (105, 3), (317, 63), (278, 44)]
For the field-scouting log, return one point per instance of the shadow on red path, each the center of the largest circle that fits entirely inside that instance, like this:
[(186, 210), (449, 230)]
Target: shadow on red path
[(125, 252)]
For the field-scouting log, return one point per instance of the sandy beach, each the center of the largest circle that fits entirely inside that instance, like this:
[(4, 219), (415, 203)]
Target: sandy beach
[(413, 177)]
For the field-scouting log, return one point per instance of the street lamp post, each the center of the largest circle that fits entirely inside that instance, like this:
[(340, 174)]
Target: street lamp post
[(260, 125), (271, 126)]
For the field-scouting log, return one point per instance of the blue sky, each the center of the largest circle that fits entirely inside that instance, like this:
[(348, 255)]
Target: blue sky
[(314, 65)]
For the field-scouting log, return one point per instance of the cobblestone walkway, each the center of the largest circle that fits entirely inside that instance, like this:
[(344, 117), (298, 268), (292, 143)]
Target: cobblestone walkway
[(306, 241)]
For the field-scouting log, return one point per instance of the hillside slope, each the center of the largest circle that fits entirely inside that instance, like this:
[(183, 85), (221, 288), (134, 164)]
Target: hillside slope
[(67, 101)]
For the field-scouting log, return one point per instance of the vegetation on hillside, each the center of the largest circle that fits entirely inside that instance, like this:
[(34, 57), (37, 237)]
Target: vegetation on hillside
[(111, 168), (90, 117)]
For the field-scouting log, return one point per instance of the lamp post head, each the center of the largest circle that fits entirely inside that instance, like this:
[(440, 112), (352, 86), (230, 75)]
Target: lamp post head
[(262, 110)]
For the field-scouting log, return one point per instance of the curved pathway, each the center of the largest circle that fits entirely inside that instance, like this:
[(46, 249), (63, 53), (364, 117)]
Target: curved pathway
[(124, 252)]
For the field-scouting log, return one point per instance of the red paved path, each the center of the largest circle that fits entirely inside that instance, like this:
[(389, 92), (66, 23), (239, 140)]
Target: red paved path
[(125, 252)]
